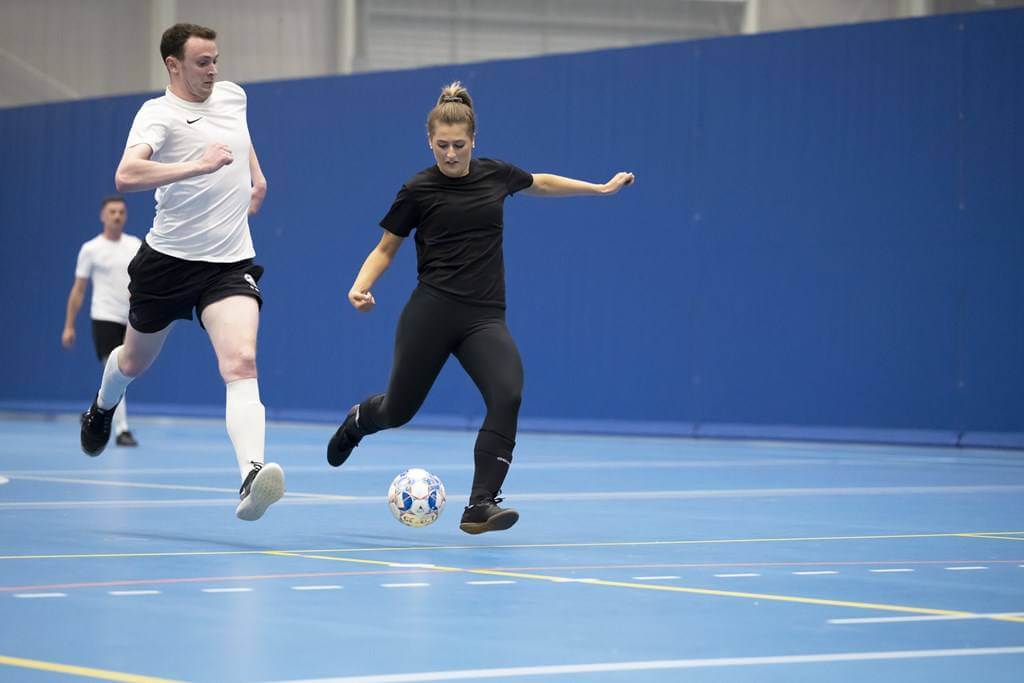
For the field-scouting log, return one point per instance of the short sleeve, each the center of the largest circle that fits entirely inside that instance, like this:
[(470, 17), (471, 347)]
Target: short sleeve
[(517, 179), (404, 214), (147, 128), (231, 92), (83, 269)]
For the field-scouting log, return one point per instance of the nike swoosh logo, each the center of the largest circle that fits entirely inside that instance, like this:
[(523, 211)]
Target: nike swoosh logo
[(192, 121)]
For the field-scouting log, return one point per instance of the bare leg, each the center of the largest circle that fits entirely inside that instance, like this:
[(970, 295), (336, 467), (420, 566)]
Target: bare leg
[(128, 361), (232, 324), (140, 350), (125, 363)]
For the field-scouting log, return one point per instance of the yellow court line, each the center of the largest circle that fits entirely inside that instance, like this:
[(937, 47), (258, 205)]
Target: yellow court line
[(607, 544), (87, 672), (673, 589)]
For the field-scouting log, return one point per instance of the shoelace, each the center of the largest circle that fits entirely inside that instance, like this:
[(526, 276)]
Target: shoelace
[(496, 499), (101, 418), (256, 467)]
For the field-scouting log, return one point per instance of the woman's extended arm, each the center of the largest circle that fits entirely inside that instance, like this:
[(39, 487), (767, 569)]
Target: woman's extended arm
[(373, 267), (548, 185)]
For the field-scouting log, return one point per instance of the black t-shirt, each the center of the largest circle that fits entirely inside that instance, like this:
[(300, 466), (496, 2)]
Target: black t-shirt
[(459, 224)]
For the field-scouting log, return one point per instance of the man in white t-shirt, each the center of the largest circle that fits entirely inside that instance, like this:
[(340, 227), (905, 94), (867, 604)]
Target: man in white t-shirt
[(104, 259), (192, 146)]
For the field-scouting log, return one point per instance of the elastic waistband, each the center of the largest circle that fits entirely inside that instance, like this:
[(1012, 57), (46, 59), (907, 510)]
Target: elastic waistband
[(436, 293)]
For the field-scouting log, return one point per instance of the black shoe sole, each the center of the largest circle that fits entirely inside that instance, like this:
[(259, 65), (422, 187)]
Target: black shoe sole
[(95, 453), (499, 522)]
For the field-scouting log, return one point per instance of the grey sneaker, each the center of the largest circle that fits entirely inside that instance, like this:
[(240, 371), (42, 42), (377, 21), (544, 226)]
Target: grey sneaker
[(126, 438), (263, 487)]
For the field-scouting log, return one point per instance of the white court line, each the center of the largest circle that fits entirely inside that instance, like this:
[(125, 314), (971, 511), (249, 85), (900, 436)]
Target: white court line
[(815, 573), (963, 569), (226, 590), (488, 583), (289, 499), (293, 498), (316, 588), (125, 484), (523, 671), (889, 571), (176, 487), (735, 576), (886, 620), (405, 585), (645, 465), (120, 593), (4, 480), (654, 578), (40, 595)]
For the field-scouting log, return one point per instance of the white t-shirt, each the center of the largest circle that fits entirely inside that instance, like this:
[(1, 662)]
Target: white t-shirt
[(106, 262), (206, 217)]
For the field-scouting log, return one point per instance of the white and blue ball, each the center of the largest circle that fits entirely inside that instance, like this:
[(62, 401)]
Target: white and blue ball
[(416, 497)]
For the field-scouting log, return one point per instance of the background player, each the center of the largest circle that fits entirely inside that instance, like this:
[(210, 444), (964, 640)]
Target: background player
[(104, 259)]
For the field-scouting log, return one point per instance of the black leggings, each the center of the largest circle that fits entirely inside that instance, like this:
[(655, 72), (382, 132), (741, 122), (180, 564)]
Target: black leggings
[(430, 329)]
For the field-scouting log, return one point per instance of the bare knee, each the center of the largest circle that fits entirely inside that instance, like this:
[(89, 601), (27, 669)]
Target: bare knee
[(132, 364), (239, 364)]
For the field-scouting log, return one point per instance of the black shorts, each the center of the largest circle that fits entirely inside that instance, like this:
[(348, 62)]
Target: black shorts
[(164, 288), (107, 336)]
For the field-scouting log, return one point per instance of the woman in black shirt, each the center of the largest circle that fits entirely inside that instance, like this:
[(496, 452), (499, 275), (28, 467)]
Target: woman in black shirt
[(456, 208)]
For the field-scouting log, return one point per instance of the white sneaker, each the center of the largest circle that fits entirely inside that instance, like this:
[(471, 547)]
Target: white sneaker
[(263, 487)]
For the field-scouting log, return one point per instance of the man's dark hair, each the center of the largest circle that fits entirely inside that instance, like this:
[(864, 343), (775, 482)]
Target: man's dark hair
[(111, 198), (174, 39)]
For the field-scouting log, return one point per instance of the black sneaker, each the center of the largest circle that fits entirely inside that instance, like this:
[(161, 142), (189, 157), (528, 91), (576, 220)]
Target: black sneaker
[(96, 424), (487, 516), (345, 439), (263, 486), (125, 438)]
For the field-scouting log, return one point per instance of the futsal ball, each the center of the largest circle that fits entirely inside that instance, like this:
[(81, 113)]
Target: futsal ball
[(416, 497)]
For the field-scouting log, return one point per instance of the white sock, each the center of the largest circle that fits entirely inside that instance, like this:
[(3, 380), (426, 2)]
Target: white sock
[(114, 383), (121, 416), (246, 422)]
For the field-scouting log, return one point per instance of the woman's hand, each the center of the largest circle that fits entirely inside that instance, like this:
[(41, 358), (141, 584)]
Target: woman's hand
[(361, 300), (618, 181)]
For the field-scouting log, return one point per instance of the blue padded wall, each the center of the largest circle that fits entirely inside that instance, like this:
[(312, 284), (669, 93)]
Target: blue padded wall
[(825, 235)]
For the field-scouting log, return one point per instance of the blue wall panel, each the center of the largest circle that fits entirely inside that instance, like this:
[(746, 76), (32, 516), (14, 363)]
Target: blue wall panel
[(825, 234)]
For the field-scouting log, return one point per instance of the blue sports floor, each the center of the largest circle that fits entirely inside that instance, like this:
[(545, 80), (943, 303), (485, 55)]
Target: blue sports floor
[(635, 559)]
